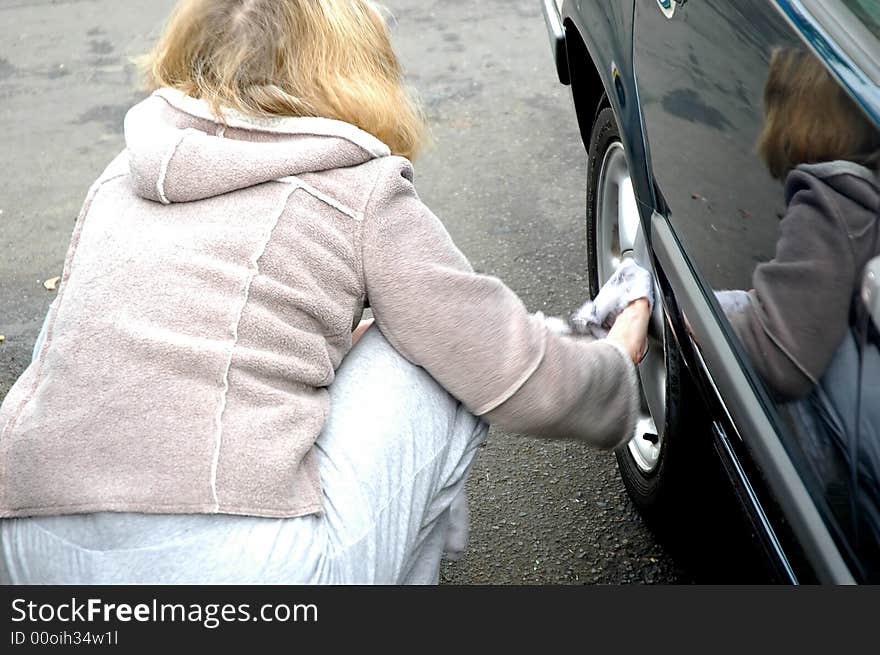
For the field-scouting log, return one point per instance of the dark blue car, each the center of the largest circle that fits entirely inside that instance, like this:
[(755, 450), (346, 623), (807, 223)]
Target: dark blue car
[(694, 115)]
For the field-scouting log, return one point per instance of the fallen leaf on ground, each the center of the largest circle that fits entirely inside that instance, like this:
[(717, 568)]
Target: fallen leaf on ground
[(52, 283), (2, 338)]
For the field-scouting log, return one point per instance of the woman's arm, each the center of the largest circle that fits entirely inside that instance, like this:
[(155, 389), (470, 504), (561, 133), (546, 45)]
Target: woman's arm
[(474, 335), (799, 308)]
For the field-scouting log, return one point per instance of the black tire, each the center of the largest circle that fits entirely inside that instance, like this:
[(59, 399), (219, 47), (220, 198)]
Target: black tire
[(657, 494), (660, 494)]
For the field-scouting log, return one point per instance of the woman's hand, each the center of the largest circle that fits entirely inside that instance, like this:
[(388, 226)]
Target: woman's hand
[(630, 330)]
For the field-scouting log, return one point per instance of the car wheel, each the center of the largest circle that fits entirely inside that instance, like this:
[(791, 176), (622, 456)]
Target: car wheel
[(648, 463)]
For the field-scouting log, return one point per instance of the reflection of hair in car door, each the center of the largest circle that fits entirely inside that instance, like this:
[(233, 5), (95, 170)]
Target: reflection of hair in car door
[(802, 324), (809, 118), (818, 141)]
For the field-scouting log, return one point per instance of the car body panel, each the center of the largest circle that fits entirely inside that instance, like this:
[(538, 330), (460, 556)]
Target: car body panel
[(849, 52), (745, 416), (556, 31), (605, 28)]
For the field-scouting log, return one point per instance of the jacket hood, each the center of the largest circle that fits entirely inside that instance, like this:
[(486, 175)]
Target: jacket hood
[(849, 179), (179, 151)]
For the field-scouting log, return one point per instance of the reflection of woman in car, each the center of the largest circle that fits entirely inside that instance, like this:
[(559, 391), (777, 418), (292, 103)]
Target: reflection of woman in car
[(796, 322), (818, 141)]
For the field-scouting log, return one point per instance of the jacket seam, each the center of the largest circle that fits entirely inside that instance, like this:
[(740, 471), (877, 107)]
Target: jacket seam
[(854, 236), (370, 196), (841, 222), (255, 270), (166, 163), (333, 203), (323, 197)]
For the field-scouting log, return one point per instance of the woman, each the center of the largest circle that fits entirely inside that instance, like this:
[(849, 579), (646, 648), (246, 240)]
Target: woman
[(196, 412), (817, 141)]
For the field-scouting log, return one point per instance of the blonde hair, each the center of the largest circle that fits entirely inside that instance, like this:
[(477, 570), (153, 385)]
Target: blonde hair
[(326, 58), (809, 117)]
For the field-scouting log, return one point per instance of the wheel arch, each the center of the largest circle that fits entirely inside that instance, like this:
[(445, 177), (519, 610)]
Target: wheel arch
[(587, 89)]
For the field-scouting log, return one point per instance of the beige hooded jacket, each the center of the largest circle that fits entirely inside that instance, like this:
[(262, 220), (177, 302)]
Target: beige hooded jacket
[(208, 296)]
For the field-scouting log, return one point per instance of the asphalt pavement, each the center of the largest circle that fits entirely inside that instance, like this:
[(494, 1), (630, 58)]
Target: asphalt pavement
[(506, 175)]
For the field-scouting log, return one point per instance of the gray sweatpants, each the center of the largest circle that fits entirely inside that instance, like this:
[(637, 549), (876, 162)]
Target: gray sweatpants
[(393, 459)]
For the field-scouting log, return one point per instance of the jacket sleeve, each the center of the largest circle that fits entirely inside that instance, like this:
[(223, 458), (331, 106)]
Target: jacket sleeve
[(799, 309), (475, 337)]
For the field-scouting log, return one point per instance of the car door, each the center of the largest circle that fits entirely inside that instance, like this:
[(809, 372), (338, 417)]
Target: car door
[(701, 68)]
